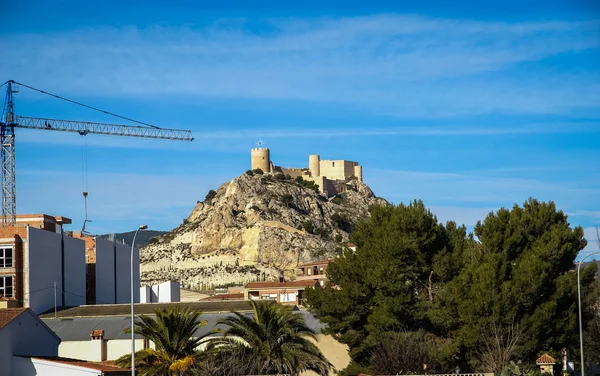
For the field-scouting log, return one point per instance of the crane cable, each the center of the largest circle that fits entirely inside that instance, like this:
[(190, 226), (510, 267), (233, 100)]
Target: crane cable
[(84, 178), (85, 105)]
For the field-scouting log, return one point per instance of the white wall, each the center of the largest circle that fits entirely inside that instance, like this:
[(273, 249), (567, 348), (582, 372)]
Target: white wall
[(75, 270), (106, 251), (166, 292), (43, 267), (33, 367), (124, 274), (25, 336), (104, 271)]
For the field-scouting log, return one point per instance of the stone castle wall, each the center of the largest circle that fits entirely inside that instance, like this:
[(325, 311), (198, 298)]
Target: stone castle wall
[(325, 173)]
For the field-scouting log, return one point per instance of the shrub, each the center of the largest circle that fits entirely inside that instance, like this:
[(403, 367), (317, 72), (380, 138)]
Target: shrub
[(280, 176), (342, 222), (287, 199), (209, 196), (308, 226), (255, 208), (258, 171), (250, 173), (339, 238)]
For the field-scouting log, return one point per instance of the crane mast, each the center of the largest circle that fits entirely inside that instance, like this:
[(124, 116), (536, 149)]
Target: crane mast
[(10, 121), (7, 138)]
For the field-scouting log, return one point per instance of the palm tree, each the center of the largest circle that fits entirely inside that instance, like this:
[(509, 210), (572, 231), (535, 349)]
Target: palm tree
[(274, 340), (175, 347)]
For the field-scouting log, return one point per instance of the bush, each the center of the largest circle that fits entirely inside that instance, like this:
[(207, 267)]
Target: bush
[(255, 208), (209, 196), (265, 178), (342, 222), (339, 238), (280, 176), (287, 199), (250, 173), (258, 171), (308, 226)]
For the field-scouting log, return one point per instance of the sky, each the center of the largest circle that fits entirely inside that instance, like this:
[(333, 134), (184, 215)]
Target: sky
[(470, 106)]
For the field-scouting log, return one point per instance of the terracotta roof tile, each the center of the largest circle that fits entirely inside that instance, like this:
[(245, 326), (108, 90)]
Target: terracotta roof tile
[(545, 359), (97, 333), (238, 296), (98, 366), (258, 285), (9, 314), (320, 262)]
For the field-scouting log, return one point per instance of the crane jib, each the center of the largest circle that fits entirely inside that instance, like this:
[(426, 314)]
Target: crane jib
[(84, 128)]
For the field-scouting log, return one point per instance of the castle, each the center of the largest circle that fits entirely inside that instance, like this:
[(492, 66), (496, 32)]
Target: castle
[(332, 176)]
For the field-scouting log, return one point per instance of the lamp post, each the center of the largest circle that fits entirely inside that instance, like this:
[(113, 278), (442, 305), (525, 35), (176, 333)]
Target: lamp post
[(141, 227), (579, 301)]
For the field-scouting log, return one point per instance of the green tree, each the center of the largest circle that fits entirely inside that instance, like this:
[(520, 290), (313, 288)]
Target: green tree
[(382, 285), (519, 274), (172, 333), (274, 340)]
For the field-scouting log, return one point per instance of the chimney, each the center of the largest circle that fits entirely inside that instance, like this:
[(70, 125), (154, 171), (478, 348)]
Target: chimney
[(98, 346)]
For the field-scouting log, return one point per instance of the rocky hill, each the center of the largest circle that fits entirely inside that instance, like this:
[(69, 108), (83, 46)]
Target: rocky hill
[(255, 227)]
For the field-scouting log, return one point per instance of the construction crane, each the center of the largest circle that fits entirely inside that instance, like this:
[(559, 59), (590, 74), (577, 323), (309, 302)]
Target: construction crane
[(10, 121)]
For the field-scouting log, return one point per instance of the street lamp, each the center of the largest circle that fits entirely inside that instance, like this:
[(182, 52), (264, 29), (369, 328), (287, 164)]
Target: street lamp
[(579, 301), (141, 227)]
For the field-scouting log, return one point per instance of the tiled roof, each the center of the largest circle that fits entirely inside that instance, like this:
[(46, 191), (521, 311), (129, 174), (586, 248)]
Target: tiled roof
[(320, 262), (545, 359), (258, 285), (98, 366), (236, 296), (9, 314)]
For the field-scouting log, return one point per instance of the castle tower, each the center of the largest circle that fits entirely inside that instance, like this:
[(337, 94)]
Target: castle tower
[(260, 158), (358, 173), (314, 165)]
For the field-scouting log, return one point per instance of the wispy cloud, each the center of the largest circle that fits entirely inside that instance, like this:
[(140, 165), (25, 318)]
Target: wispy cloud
[(396, 64)]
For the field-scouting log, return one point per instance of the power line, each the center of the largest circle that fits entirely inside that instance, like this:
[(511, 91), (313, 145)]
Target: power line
[(85, 105)]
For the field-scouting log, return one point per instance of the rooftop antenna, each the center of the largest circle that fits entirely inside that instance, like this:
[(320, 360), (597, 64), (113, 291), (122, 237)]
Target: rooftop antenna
[(260, 143)]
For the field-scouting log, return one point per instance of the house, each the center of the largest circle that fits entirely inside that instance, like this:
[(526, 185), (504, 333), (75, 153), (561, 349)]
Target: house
[(37, 257), (22, 333), (289, 293), (312, 271), (91, 333), (546, 364)]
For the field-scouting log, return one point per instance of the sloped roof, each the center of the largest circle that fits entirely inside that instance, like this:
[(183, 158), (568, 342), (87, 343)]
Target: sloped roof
[(258, 285), (9, 314), (148, 308), (79, 328), (98, 366), (545, 359)]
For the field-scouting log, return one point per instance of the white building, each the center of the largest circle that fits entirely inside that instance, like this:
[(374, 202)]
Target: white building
[(113, 272), (166, 292), (22, 333)]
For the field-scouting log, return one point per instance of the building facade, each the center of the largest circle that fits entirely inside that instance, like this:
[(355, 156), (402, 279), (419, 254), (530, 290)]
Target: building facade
[(37, 259), (289, 293)]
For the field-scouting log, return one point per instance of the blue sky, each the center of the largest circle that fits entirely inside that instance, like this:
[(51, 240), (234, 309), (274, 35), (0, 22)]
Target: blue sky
[(468, 106)]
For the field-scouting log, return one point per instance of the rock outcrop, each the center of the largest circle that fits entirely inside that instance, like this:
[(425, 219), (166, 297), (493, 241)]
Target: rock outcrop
[(255, 227)]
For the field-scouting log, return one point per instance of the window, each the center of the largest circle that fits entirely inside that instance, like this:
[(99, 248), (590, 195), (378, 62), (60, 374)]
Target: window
[(6, 286), (6, 257)]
